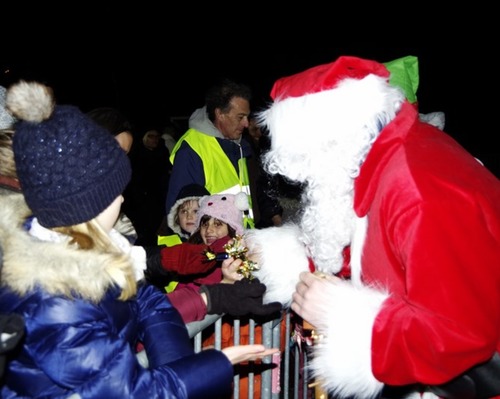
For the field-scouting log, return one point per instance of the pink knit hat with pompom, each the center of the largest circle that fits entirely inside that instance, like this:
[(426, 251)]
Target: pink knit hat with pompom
[(228, 208)]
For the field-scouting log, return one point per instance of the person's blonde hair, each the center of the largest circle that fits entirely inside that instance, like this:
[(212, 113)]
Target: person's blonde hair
[(91, 236), (7, 163)]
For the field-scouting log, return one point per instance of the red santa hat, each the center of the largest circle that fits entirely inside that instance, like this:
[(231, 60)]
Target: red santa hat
[(343, 101), (326, 77)]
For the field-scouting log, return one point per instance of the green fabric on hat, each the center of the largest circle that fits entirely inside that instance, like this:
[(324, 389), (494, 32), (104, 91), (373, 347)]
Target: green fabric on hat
[(404, 73)]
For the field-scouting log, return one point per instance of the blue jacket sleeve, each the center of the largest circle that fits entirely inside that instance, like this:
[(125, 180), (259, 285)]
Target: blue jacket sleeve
[(207, 374), (161, 328)]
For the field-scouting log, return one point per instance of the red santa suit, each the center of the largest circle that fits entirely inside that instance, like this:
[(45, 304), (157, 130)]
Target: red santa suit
[(419, 213)]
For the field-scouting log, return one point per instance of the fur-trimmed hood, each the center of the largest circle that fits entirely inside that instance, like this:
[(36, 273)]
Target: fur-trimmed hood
[(56, 268), (175, 227)]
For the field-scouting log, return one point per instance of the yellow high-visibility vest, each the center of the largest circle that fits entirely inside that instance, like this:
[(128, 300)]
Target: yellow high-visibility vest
[(220, 175)]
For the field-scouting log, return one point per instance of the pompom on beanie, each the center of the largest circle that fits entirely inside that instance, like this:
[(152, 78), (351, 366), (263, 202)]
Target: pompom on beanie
[(228, 208), (70, 168)]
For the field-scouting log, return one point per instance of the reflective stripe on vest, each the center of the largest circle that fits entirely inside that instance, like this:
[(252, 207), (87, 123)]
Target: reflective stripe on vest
[(170, 241)]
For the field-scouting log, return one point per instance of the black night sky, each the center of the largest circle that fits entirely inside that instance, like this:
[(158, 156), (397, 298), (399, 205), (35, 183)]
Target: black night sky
[(154, 72)]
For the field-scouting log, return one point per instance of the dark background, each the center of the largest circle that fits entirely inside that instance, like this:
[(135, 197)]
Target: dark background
[(156, 65)]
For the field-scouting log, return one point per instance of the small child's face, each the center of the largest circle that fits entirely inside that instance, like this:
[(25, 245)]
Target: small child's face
[(213, 229), (187, 215)]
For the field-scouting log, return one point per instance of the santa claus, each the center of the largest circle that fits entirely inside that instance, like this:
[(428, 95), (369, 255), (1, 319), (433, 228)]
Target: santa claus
[(419, 217)]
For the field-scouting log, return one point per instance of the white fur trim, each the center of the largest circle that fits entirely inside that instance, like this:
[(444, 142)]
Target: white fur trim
[(357, 248), (342, 358), (281, 257), (425, 395), (66, 270), (137, 254), (355, 108), (418, 395), (434, 118), (176, 228)]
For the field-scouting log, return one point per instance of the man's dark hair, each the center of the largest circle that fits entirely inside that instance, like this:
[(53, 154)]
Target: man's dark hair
[(221, 94)]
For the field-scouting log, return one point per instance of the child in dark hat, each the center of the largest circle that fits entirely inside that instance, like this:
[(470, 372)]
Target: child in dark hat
[(181, 219), (77, 282), (175, 229)]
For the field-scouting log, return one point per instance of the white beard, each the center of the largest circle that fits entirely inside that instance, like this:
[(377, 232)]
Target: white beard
[(328, 220)]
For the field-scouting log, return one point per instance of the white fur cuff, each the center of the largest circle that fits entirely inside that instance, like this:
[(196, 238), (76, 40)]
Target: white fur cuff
[(281, 257), (342, 358)]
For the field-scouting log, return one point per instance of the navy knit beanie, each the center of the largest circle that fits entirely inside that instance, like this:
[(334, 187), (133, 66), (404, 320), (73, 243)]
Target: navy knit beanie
[(70, 168)]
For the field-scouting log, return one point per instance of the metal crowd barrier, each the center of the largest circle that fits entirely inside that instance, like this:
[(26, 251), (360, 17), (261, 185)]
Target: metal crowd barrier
[(287, 380)]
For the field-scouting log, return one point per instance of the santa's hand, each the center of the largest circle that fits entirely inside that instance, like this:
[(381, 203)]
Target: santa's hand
[(311, 297)]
